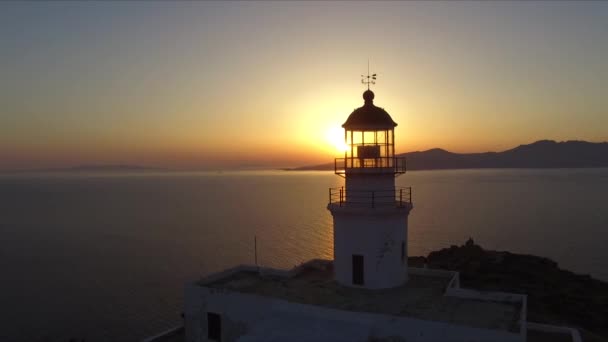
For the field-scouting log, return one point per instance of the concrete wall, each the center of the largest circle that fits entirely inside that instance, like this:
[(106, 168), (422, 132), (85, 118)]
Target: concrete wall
[(496, 296), (358, 187), (454, 276), (242, 313), (320, 264), (378, 237), (574, 333)]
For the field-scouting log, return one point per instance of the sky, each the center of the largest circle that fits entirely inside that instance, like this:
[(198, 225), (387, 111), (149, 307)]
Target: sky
[(220, 85)]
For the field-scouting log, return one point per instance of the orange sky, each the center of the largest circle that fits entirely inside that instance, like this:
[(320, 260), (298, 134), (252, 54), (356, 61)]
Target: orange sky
[(215, 85)]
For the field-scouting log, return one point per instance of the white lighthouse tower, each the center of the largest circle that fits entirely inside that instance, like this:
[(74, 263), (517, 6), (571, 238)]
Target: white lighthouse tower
[(370, 213)]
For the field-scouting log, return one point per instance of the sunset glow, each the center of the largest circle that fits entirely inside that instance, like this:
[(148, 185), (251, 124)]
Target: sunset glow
[(335, 136), (206, 85)]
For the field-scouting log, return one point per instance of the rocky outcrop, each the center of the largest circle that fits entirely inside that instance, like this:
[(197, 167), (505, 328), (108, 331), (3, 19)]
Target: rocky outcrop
[(555, 296)]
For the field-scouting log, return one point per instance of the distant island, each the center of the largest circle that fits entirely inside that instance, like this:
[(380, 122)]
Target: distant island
[(94, 168), (540, 154)]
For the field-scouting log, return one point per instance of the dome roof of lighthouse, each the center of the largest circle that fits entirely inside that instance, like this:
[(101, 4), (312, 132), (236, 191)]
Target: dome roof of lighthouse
[(369, 117)]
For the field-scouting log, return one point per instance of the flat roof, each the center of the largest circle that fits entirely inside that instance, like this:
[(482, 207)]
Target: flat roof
[(422, 297)]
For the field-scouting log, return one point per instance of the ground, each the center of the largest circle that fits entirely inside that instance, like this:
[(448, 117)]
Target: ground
[(422, 297)]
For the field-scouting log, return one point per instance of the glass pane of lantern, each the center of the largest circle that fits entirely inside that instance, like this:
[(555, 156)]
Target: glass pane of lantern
[(369, 138), (381, 137)]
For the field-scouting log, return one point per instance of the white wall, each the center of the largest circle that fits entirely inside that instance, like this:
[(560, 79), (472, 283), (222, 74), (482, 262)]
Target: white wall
[(359, 187), (574, 333), (377, 235), (241, 313)]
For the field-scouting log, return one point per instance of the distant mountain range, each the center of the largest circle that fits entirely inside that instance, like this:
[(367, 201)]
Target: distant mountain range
[(540, 154), (111, 167)]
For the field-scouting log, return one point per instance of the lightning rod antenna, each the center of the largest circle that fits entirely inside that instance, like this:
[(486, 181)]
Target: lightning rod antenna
[(369, 79)]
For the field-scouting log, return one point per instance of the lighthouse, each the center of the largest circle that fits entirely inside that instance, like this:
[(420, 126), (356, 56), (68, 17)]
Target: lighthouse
[(340, 299), (370, 214)]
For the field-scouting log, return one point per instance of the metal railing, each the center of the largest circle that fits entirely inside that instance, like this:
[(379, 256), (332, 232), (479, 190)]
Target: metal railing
[(400, 197), (395, 165)]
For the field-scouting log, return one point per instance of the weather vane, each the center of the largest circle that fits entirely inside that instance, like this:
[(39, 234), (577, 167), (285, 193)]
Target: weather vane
[(369, 79)]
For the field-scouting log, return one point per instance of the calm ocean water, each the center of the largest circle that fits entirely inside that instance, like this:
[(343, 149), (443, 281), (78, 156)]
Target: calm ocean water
[(105, 257)]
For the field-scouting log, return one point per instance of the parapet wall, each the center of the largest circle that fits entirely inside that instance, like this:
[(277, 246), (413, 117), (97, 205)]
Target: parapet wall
[(245, 313), (266, 271), (249, 315)]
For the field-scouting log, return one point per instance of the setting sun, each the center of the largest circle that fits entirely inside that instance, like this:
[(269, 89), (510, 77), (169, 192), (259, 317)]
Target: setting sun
[(335, 137)]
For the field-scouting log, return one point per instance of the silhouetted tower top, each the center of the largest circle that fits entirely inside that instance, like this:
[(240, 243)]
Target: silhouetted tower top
[(369, 136), (369, 117)]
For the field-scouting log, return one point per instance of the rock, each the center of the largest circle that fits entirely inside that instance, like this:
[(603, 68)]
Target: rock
[(555, 296)]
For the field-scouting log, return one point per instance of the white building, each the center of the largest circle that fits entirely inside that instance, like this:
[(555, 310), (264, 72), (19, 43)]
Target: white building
[(368, 292)]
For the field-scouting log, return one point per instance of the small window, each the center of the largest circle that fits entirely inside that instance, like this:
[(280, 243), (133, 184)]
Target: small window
[(214, 326), (402, 252)]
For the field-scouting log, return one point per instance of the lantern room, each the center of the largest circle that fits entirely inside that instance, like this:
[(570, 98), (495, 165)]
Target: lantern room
[(369, 134)]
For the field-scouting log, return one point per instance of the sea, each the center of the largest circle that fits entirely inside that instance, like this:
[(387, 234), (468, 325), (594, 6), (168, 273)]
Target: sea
[(106, 256)]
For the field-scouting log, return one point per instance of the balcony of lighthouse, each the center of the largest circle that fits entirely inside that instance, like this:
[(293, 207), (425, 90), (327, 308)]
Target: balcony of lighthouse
[(374, 199), (380, 165)]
